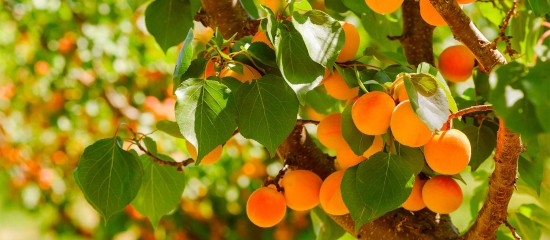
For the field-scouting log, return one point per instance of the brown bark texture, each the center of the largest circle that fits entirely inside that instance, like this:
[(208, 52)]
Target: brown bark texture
[(417, 35), (228, 16)]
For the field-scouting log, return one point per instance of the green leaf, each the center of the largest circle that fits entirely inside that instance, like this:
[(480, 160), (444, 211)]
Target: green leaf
[(324, 227), (161, 189), (537, 86), (539, 7), (135, 4), (357, 141), (429, 69), (483, 141), (336, 5), (531, 172), (427, 99), (195, 70), (250, 8), (185, 57), (319, 100), (358, 207), (151, 145), (263, 53), (108, 176), (322, 35), (205, 114), (267, 111), (528, 228), (293, 58), (349, 76), (170, 128), (170, 20), (412, 156), (385, 182)]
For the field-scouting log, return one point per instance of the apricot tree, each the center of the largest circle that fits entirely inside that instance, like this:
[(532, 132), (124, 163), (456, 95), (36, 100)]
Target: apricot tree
[(401, 134)]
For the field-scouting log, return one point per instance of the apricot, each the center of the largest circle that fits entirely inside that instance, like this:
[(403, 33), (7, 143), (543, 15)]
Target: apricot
[(210, 158), (330, 195), (314, 115), (398, 90), (260, 36), (414, 202), (371, 113), (465, 1), (430, 15), (384, 6), (203, 34), (407, 128), (249, 73), (442, 194), (346, 157), (351, 44), (266, 207), (301, 189), (209, 69), (377, 146), (456, 63), (448, 152), (337, 87), (329, 131), (274, 5)]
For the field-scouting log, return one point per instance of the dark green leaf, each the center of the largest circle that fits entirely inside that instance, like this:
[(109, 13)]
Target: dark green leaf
[(205, 116), (537, 86), (428, 100), (358, 141), (322, 35), (336, 5), (108, 176), (160, 191), (349, 76), (293, 58), (429, 69), (169, 127), (151, 145), (531, 172), (413, 156), (319, 100), (263, 53), (184, 58), (195, 70), (358, 207), (483, 141), (267, 111), (324, 227), (170, 20), (250, 8), (539, 7)]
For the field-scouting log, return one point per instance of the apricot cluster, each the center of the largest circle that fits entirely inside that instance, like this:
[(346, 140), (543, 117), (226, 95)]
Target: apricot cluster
[(266, 206), (441, 194)]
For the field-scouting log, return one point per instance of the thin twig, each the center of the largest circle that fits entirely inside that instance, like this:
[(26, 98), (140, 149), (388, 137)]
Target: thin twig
[(275, 181), (306, 121), (512, 229), (472, 109), (502, 31)]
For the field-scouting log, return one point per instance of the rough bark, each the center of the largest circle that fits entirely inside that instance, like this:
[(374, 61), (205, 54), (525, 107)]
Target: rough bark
[(302, 153), (228, 16), (501, 185), (465, 31), (417, 35)]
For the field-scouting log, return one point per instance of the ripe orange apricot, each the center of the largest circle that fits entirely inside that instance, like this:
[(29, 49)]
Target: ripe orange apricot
[(337, 87), (301, 189), (209, 69), (448, 152), (345, 157), (414, 202), (260, 36), (398, 91), (329, 131), (274, 5), (407, 128), (266, 207), (210, 158), (430, 15), (351, 44), (465, 1), (371, 113), (314, 115), (249, 73), (456, 63), (377, 146), (384, 6), (442, 194), (330, 195)]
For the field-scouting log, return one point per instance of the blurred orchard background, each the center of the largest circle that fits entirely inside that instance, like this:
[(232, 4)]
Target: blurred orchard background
[(72, 71)]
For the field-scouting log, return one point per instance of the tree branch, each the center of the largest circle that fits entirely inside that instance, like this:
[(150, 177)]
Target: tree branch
[(228, 16), (493, 213), (465, 31), (417, 35)]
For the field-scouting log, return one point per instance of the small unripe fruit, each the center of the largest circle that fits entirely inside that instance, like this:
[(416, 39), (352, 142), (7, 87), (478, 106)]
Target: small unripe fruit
[(337, 87), (448, 152), (456, 63), (351, 43), (301, 189), (331, 196), (442, 194), (414, 202), (371, 113), (407, 128), (329, 132), (266, 207), (210, 158)]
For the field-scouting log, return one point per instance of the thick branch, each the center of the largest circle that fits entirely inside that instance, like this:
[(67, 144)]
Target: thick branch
[(228, 16), (465, 31), (300, 152), (493, 213), (417, 35), (501, 186)]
